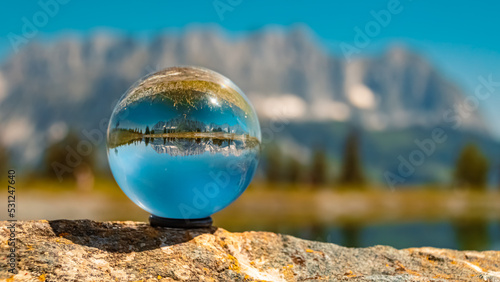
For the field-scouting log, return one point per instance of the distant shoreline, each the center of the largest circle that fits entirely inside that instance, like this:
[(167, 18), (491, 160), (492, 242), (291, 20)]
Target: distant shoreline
[(120, 138)]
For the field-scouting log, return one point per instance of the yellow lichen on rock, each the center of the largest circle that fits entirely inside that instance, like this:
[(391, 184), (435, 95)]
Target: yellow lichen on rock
[(105, 252)]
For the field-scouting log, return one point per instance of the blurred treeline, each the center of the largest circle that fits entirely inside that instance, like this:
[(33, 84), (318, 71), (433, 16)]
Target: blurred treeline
[(471, 168), (319, 170), (71, 159)]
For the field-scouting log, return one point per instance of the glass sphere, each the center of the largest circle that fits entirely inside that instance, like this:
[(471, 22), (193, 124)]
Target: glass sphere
[(183, 143)]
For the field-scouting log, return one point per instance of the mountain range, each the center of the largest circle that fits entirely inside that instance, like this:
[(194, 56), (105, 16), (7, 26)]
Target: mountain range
[(74, 82), (179, 147)]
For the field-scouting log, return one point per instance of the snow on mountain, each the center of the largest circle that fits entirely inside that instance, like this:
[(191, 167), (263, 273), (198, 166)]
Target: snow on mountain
[(190, 147)]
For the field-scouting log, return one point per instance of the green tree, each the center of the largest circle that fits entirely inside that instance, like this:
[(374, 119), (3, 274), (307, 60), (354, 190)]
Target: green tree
[(319, 168), (63, 158), (352, 171), (274, 161), (472, 168), (294, 170), (147, 130), (4, 159)]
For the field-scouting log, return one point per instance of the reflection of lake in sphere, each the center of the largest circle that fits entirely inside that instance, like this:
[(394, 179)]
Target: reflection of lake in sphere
[(183, 143)]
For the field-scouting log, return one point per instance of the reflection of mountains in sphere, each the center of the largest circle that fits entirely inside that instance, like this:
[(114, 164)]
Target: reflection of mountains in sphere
[(183, 143)]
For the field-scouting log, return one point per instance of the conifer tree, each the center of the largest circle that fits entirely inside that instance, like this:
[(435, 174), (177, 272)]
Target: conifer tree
[(319, 168), (352, 171), (471, 169), (4, 159), (274, 160), (294, 171)]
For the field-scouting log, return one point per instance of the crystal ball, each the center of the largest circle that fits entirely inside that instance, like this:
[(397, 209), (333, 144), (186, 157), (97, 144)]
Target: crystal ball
[(183, 143)]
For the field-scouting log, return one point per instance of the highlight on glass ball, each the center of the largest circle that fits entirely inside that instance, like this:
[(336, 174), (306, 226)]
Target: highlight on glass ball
[(183, 143)]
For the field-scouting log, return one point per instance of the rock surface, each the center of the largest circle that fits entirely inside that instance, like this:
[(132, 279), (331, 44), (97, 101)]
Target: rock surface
[(85, 250)]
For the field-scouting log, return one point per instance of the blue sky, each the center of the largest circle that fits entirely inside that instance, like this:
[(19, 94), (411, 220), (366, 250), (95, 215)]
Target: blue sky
[(459, 38)]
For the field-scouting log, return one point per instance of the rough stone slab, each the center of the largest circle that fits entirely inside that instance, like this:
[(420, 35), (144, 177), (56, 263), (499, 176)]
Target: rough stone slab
[(84, 250)]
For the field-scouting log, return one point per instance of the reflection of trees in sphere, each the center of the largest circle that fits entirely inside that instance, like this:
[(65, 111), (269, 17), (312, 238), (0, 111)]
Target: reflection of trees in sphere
[(183, 143)]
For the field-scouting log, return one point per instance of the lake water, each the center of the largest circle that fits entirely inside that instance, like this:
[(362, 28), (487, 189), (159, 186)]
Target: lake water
[(471, 236), (478, 234)]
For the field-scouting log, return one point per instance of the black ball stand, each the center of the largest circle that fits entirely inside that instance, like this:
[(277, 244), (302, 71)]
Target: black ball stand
[(157, 221)]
